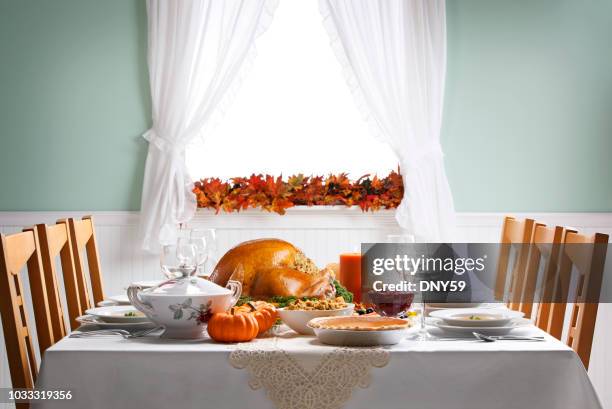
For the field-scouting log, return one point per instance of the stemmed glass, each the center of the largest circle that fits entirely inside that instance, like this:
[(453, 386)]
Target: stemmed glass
[(206, 241), (197, 237), (179, 260), (422, 334)]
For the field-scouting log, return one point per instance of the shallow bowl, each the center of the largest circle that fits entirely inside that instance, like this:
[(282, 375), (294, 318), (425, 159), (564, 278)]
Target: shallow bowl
[(297, 319)]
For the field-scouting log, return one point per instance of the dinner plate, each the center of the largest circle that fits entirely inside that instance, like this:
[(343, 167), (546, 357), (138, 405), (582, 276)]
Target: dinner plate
[(148, 283), (429, 308), (119, 299), (455, 330), (117, 314), (92, 320), (476, 317), (454, 304)]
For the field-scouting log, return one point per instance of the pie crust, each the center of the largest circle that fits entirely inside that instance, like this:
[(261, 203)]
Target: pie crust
[(359, 323)]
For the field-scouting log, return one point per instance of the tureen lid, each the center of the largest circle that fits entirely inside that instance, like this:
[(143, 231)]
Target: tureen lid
[(190, 286)]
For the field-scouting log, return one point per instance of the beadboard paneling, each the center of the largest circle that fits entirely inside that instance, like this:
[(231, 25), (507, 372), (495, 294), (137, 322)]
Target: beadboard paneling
[(321, 232)]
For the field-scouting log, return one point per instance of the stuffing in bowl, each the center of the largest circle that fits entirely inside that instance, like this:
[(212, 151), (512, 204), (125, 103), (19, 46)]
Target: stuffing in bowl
[(298, 313)]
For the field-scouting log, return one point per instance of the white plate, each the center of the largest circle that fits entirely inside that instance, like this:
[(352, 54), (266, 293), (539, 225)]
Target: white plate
[(117, 314), (148, 283), (92, 320), (297, 319), (119, 299), (467, 331), (496, 317), (429, 308), (454, 304)]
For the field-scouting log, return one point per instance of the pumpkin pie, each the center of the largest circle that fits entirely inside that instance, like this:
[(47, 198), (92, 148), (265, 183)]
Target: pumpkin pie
[(359, 323)]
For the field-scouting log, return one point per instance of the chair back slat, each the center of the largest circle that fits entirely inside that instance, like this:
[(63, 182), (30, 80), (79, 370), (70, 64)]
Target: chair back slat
[(515, 234), (589, 261), (83, 237), (17, 251), (547, 243), (53, 240)]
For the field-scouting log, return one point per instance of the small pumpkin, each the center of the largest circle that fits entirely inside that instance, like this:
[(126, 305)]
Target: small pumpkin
[(264, 313), (233, 326)]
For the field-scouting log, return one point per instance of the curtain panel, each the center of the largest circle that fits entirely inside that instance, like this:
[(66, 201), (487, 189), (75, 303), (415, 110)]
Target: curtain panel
[(198, 51), (393, 53)]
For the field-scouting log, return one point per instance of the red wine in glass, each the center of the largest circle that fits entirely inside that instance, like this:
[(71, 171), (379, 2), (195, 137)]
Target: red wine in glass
[(390, 303)]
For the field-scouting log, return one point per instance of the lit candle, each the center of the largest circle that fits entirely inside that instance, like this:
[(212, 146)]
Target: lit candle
[(350, 273)]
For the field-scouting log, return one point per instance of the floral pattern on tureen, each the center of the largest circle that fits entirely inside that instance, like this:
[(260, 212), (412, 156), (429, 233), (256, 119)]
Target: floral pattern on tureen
[(200, 314)]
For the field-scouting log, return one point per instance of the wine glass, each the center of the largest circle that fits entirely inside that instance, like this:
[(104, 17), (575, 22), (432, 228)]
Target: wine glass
[(422, 334), (198, 238), (179, 260), (211, 244)]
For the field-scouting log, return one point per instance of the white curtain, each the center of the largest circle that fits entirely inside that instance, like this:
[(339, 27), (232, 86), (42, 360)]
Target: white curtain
[(198, 52), (394, 57)]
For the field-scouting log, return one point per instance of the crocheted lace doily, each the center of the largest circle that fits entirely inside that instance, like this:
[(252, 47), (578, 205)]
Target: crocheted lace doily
[(291, 386)]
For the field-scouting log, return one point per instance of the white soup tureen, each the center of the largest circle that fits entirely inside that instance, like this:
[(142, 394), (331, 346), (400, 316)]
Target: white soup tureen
[(183, 306)]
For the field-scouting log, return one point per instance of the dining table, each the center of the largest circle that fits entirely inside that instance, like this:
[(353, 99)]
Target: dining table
[(287, 370)]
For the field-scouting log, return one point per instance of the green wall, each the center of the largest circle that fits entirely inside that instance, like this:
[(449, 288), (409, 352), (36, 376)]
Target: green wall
[(528, 121), (74, 100), (528, 116)]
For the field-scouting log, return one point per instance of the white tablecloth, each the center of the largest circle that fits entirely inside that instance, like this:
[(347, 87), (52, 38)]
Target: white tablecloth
[(155, 373)]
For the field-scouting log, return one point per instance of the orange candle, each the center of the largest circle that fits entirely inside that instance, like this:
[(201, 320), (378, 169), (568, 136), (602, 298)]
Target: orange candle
[(350, 273)]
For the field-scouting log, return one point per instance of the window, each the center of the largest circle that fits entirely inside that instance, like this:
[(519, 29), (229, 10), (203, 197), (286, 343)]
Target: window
[(294, 112)]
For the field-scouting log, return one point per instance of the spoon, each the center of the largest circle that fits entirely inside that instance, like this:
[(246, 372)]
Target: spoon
[(489, 338)]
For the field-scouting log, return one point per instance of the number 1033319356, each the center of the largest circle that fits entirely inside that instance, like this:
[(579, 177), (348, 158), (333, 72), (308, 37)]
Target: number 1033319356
[(26, 395)]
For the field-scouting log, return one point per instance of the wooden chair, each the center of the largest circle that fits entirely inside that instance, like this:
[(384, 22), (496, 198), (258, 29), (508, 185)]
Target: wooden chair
[(55, 241), (587, 254), (17, 251), (545, 245), (515, 234), (83, 237)]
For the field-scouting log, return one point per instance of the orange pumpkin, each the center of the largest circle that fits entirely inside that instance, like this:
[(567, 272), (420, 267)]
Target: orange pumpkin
[(234, 326), (264, 313)]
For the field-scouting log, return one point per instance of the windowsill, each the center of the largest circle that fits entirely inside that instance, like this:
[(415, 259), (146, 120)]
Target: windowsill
[(314, 217)]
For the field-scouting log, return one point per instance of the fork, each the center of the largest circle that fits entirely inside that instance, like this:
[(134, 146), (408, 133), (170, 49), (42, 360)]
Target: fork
[(125, 334), (489, 338)]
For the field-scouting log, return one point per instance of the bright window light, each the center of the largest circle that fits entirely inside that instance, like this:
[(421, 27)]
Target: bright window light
[(294, 112)]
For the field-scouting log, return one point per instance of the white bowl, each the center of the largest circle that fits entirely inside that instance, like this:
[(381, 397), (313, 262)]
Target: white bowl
[(492, 317), (297, 319)]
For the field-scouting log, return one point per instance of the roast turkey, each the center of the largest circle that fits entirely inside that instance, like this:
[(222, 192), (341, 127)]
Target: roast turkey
[(272, 267)]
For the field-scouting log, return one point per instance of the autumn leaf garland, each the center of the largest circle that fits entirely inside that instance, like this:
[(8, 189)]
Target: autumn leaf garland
[(274, 194)]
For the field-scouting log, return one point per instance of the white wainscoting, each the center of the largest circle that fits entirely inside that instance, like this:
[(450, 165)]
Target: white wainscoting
[(322, 233)]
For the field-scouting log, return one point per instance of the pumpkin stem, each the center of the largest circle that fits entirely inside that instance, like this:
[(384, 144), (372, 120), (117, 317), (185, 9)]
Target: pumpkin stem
[(252, 306)]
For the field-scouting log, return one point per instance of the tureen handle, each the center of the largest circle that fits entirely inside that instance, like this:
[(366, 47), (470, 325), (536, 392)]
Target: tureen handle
[(236, 288), (132, 293)]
